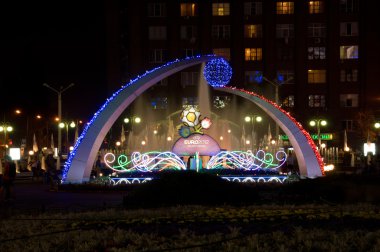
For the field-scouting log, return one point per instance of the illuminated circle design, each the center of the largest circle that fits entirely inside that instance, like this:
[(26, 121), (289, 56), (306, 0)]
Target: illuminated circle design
[(217, 72)]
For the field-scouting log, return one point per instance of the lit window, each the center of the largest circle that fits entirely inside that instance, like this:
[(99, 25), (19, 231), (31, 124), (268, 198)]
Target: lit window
[(252, 31), (285, 7), (220, 32), (188, 9), (288, 101), (349, 6), (349, 100), (253, 54), (223, 52), (315, 7), (189, 78), (159, 103), (284, 31), (349, 52), (252, 77), (220, 9), (156, 10), (317, 101), (189, 32), (157, 32), (349, 29), (316, 76), (316, 53), (316, 30), (253, 8), (349, 75)]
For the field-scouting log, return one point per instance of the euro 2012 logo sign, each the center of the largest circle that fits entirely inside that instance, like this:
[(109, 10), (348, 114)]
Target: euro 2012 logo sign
[(190, 117)]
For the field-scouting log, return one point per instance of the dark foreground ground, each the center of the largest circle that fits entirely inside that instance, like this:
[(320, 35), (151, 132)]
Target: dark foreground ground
[(196, 213)]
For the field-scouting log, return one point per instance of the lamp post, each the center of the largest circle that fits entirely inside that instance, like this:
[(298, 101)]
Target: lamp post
[(132, 120), (5, 127), (66, 125), (277, 85), (59, 93), (318, 123), (253, 119)]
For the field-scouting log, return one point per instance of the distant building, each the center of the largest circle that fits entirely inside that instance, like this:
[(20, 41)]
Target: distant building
[(326, 52)]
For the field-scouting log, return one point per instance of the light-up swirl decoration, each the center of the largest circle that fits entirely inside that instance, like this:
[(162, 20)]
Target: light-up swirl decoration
[(247, 160), (144, 162)]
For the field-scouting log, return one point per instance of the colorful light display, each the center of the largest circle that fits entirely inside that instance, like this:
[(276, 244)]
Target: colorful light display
[(239, 179), (303, 131), (192, 122), (246, 160), (85, 130), (256, 179), (217, 72), (216, 75), (146, 162)]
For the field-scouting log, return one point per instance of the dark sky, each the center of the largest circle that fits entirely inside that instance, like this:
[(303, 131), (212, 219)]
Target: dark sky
[(57, 42)]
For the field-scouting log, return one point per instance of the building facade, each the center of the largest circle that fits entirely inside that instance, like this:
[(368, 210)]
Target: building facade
[(320, 56)]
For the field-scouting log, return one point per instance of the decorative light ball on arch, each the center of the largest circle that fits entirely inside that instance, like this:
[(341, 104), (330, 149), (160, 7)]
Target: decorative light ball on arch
[(217, 72)]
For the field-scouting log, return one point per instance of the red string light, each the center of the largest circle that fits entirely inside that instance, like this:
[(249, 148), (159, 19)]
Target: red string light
[(304, 132)]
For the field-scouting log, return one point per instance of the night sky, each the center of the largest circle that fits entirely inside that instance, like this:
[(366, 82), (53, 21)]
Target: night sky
[(57, 42)]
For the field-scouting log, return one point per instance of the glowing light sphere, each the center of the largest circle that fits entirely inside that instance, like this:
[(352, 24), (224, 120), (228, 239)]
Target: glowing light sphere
[(217, 72)]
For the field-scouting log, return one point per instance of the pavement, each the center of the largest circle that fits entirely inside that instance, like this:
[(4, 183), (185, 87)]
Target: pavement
[(35, 197)]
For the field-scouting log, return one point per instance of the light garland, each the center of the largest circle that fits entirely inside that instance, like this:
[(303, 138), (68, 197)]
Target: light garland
[(217, 72), (256, 179), (303, 131), (146, 162), (246, 160)]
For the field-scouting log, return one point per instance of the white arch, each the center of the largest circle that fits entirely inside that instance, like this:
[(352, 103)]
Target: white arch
[(309, 160), (78, 167)]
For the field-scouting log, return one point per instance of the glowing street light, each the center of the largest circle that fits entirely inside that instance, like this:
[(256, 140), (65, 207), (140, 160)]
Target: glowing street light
[(318, 123), (134, 119), (62, 125), (377, 125), (5, 128), (253, 119)]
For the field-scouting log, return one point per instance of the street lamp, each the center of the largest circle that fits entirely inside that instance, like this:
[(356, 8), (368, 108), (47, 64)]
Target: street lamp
[(253, 119), (62, 125), (5, 127), (132, 120), (318, 123), (59, 93)]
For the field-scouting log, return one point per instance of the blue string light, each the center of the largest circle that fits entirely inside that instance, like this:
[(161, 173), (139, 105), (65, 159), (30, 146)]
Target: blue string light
[(217, 72)]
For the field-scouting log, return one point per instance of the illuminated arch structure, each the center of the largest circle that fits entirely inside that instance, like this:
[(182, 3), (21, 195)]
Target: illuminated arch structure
[(78, 167)]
